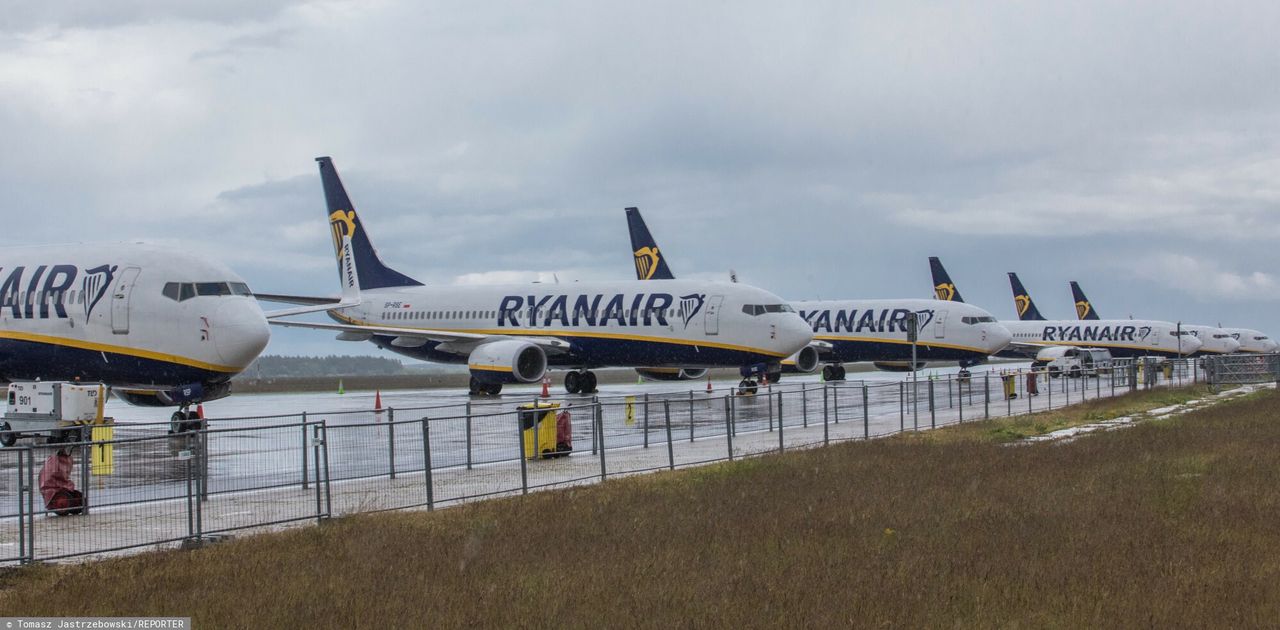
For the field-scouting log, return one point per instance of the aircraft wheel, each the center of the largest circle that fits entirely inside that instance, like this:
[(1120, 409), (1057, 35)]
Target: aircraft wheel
[(178, 422), (828, 372), (475, 387), (589, 386), (7, 437), (573, 382), (492, 389), (774, 377), (747, 387), (839, 372)]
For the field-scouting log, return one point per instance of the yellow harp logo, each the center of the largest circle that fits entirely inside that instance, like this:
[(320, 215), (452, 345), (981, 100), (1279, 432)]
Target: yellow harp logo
[(646, 262), (1082, 309), (1023, 303), (342, 223), (945, 291)]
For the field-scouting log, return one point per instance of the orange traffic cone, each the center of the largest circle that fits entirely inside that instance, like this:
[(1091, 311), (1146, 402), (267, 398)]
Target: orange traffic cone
[(377, 401), (708, 383), (200, 411), (546, 387)]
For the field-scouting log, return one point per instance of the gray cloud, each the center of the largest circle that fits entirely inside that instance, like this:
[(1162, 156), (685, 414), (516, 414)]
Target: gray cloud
[(821, 150)]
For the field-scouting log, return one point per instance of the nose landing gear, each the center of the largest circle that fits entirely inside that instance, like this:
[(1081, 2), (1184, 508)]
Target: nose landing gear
[(184, 420)]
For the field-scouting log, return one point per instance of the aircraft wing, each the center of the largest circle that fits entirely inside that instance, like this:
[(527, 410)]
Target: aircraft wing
[(304, 300), (457, 340), (1022, 349)]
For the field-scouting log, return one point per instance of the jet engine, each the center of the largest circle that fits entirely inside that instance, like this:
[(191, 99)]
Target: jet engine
[(805, 361), (508, 361)]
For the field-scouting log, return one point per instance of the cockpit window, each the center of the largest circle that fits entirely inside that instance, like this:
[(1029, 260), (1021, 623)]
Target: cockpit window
[(170, 291), (240, 288), (760, 309), (978, 319), (212, 288)]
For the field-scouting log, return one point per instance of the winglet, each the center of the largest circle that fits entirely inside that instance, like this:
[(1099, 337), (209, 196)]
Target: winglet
[(942, 285), (650, 264), (1084, 308), (1027, 310)]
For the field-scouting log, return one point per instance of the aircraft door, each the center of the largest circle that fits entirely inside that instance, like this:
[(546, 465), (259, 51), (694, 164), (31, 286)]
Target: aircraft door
[(712, 319), (940, 325), (120, 300), (1155, 335)]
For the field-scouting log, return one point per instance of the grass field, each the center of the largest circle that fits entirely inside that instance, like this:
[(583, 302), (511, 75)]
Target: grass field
[(1169, 523)]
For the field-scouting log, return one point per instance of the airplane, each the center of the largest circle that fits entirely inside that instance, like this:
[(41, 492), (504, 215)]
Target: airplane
[(847, 331), (1032, 333), (159, 326), (514, 333), (1213, 340), (1252, 340)]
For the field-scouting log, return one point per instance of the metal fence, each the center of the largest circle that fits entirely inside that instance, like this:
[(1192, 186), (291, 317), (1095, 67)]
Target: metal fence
[(1239, 369), (145, 488)]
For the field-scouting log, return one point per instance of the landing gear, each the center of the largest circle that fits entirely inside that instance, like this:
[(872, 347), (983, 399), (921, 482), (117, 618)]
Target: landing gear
[(480, 388), (774, 377), (747, 387), (184, 421), (580, 382), (833, 372)]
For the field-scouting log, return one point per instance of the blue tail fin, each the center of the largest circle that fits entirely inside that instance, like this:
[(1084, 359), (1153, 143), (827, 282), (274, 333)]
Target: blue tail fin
[(650, 264), (942, 285), (1084, 308), (371, 272), (1027, 310)]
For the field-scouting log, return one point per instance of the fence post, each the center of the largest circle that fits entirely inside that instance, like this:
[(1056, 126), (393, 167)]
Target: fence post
[(204, 460), (780, 443), (986, 398), (902, 406), (671, 453), (728, 423), (524, 471), (304, 451), (768, 396), (826, 426), (31, 505), (191, 508), (595, 435), (84, 471), (22, 515), (599, 430), (835, 403), (646, 419), (960, 397), (933, 414), (804, 405), (691, 416), (950, 403), (866, 414), (391, 441), (426, 463), (468, 409)]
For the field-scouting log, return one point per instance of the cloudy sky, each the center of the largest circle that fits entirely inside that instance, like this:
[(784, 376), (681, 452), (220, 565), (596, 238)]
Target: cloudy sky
[(820, 149)]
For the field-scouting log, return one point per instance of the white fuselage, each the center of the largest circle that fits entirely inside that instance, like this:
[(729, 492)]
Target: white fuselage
[(1252, 340), (1213, 340), (876, 330), (1123, 337), (125, 314), (678, 323)]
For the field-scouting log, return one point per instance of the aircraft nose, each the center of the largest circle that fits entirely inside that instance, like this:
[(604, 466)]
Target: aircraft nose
[(793, 334), (1190, 345), (997, 338), (239, 331), (1231, 345)]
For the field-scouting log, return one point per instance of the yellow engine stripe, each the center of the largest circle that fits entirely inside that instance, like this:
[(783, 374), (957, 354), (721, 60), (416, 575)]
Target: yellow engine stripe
[(114, 349), (490, 368)]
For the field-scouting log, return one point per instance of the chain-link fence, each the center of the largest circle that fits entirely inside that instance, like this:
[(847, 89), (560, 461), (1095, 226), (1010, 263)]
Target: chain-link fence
[(1238, 369), (144, 487)]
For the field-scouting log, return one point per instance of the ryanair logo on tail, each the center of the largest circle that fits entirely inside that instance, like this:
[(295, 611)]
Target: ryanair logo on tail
[(945, 291), (689, 304), (342, 223), (646, 262), (1023, 303), (1082, 309)]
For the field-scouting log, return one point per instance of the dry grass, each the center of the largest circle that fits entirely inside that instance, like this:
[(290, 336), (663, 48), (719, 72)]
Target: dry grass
[(1090, 411), (1170, 523)]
